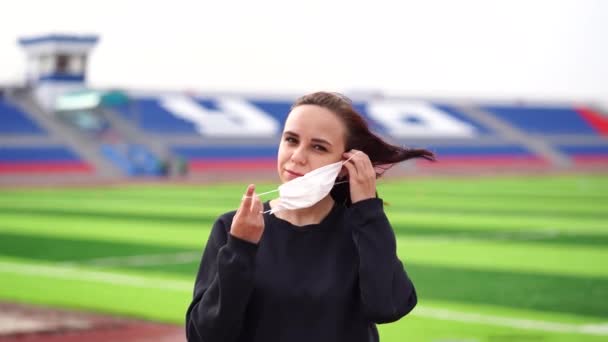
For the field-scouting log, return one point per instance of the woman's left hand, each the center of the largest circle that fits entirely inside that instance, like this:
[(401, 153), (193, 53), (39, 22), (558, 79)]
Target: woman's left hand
[(361, 176)]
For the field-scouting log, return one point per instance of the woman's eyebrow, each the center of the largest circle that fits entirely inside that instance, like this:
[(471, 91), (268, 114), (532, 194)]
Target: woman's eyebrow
[(322, 141), (317, 140)]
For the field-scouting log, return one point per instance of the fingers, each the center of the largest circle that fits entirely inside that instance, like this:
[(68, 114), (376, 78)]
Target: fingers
[(248, 222), (359, 164), (352, 170), (255, 201), (247, 199), (251, 203), (361, 174)]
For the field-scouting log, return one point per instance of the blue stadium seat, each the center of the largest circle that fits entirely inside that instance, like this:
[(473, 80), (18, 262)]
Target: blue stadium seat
[(132, 159), (36, 154), (482, 151), (14, 121), (586, 154), (543, 120), (151, 117), (484, 156), (458, 114), (56, 159), (225, 152), (239, 157)]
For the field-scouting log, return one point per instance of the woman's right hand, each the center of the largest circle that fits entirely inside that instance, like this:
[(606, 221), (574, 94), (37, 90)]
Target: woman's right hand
[(248, 222)]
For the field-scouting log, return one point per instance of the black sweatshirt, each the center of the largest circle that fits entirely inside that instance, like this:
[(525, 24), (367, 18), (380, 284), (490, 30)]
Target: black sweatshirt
[(331, 281)]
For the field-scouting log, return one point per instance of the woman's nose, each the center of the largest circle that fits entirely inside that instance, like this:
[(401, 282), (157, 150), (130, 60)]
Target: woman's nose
[(298, 156)]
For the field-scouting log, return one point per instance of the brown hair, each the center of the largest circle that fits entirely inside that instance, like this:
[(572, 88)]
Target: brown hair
[(382, 154)]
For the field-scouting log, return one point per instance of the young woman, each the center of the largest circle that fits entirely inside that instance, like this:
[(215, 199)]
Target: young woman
[(328, 272)]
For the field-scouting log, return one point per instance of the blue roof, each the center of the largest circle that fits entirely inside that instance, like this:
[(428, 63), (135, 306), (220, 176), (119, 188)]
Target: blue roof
[(64, 38)]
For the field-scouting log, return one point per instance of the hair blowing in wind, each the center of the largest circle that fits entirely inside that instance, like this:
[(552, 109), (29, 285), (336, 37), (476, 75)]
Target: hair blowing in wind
[(382, 154)]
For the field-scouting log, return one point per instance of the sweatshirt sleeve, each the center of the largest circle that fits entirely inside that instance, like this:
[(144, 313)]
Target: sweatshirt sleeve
[(223, 285), (387, 293)]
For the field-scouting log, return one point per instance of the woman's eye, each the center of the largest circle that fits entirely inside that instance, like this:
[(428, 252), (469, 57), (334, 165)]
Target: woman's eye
[(320, 148), (291, 140)]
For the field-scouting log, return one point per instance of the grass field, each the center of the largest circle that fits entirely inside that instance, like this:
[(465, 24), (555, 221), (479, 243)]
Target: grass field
[(493, 259)]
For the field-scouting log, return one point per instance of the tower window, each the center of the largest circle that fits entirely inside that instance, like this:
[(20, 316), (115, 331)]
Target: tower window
[(62, 64)]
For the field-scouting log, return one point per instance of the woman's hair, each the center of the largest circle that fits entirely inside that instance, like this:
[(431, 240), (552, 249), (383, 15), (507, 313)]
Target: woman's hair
[(358, 136)]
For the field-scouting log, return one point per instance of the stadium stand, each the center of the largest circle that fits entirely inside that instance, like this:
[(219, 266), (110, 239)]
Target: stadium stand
[(586, 154), (479, 156), (133, 159), (148, 115), (514, 142), (552, 120), (15, 121), (27, 148), (51, 159), (237, 133), (480, 129), (201, 159)]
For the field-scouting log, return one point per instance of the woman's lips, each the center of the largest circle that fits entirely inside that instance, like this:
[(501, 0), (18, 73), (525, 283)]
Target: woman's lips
[(293, 174)]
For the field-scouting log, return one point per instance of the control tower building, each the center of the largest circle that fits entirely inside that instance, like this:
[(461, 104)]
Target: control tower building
[(56, 65)]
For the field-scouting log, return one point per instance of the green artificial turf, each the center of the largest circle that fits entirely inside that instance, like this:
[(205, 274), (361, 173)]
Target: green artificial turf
[(500, 250)]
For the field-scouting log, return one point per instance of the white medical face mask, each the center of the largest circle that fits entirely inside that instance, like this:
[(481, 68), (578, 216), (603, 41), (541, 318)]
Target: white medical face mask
[(306, 191)]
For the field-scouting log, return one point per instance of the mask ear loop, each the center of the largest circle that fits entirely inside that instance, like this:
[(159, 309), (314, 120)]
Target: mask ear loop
[(258, 195), (271, 211), (344, 162), (263, 193), (351, 157)]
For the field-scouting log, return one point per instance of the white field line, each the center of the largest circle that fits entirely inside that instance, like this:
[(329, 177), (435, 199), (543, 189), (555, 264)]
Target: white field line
[(141, 260), (494, 236), (517, 323), (74, 273), (79, 274), (186, 257), (16, 323)]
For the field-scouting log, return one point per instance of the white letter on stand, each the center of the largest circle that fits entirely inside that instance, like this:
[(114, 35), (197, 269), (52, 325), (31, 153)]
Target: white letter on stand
[(236, 117), (429, 122)]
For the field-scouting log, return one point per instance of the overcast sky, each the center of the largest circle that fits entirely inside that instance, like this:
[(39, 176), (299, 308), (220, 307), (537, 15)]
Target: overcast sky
[(484, 49)]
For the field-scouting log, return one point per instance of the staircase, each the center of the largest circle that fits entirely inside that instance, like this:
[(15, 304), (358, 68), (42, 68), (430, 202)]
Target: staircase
[(119, 151), (61, 133)]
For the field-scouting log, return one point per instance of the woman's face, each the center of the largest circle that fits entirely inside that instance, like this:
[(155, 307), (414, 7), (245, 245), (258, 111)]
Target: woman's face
[(313, 137)]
